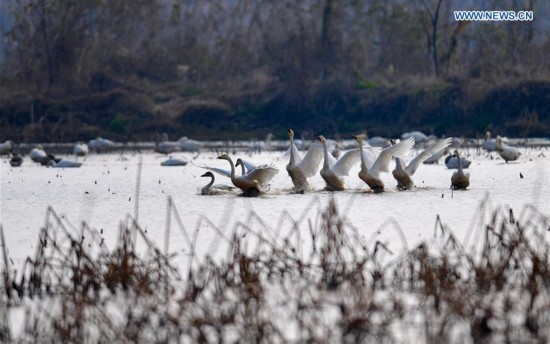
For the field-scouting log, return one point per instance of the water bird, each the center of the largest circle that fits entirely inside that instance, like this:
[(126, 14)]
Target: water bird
[(451, 162), (334, 170), (460, 180), (434, 159), (37, 153), (403, 174), (81, 149), (6, 147), (506, 152), (250, 183), (371, 174), (101, 145), (419, 137), (188, 145), (64, 164), (300, 169), (164, 146), (16, 160), (175, 162), (218, 189), (259, 146)]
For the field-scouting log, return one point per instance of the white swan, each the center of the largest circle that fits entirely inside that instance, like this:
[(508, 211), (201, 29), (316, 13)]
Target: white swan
[(434, 159), (6, 147), (251, 183), (188, 145), (460, 180), (300, 169), (506, 152), (64, 164), (218, 189), (174, 162), (371, 175), (80, 149), (333, 171), (489, 144), (419, 137), (164, 146), (403, 174), (101, 145), (37, 153)]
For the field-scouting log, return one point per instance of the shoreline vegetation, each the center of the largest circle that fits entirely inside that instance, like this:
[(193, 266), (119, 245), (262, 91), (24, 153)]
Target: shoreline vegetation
[(229, 70), (319, 281)]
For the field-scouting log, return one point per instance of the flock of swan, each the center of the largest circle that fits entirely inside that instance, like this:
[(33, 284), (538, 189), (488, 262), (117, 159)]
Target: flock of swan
[(373, 162), (322, 156)]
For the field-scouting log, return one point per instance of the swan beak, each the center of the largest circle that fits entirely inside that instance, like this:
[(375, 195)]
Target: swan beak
[(220, 157), (354, 137)]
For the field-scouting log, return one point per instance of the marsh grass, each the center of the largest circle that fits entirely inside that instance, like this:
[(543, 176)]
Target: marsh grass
[(308, 280)]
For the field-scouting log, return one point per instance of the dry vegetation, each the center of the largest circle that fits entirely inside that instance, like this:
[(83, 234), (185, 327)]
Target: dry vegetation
[(315, 282)]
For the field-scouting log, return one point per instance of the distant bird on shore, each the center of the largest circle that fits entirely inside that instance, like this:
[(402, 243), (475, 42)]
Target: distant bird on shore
[(218, 189), (371, 174), (506, 152), (101, 145), (188, 145), (64, 164), (175, 162), (403, 174), (16, 160), (460, 180), (6, 148), (38, 154), (80, 149), (164, 146)]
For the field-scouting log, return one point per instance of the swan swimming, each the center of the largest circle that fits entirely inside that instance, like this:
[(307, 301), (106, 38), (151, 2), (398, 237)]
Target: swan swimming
[(250, 183), (506, 152), (403, 174), (300, 169), (371, 175), (218, 189), (460, 180), (333, 171)]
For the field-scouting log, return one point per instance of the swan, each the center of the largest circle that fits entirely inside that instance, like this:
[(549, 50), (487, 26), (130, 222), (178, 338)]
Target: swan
[(300, 169), (418, 136), (6, 147), (174, 162), (259, 146), (403, 174), (218, 189), (250, 183), (16, 160), (188, 145), (264, 173), (452, 162), (63, 163), (333, 171), (165, 146), (80, 149), (371, 174), (246, 167), (101, 145), (506, 152), (460, 180), (37, 153)]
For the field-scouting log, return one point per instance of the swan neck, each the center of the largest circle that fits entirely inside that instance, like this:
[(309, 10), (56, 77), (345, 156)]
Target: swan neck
[(459, 163), (232, 169), (243, 171), (325, 152), (292, 158), (363, 163), (207, 186)]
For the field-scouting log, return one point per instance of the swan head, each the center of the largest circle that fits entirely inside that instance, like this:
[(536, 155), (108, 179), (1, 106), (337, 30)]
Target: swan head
[(321, 138), (224, 156), (208, 174), (290, 133), (359, 138), (487, 135), (392, 141), (239, 162), (456, 153)]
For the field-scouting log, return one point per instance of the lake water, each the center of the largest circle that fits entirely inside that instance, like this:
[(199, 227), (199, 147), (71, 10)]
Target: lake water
[(102, 192)]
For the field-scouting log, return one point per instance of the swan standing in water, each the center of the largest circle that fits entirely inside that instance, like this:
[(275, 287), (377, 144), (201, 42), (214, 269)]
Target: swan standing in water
[(460, 180), (251, 183), (300, 169), (403, 174), (333, 171), (218, 189), (506, 152), (371, 175)]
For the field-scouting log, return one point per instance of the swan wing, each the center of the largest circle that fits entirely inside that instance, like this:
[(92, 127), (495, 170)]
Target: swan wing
[(346, 162), (310, 164), (370, 154), (399, 149), (221, 171), (262, 174), (297, 155), (428, 152), (249, 166)]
